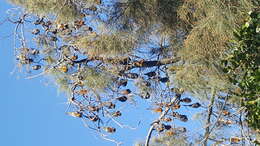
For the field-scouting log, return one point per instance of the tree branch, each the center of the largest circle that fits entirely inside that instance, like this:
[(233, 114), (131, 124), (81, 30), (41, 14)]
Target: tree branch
[(210, 107), (165, 112), (129, 63), (137, 64)]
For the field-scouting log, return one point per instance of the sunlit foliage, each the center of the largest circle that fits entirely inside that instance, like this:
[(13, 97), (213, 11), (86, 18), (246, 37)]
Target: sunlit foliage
[(243, 66)]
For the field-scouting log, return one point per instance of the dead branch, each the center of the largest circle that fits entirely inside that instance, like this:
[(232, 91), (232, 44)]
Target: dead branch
[(165, 112), (210, 107)]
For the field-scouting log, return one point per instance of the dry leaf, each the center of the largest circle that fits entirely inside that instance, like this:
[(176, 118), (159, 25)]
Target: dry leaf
[(235, 139), (158, 110), (63, 68), (109, 129), (75, 114)]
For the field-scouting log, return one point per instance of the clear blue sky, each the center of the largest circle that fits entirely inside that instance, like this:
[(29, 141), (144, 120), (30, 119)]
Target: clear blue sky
[(33, 114)]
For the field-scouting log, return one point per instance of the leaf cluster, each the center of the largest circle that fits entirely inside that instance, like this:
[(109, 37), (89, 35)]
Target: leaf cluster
[(243, 66)]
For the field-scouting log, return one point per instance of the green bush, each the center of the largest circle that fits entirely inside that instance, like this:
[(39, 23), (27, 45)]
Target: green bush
[(243, 66)]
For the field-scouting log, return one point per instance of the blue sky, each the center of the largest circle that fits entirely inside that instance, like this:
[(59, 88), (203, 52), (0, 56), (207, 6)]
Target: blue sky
[(33, 114)]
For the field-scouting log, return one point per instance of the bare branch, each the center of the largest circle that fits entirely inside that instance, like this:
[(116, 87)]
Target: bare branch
[(165, 112), (210, 107)]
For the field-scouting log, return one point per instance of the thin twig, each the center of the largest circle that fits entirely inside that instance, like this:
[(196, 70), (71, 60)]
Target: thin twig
[(217, 120), (103, 136), (210, 107), (165, 112), (118, 123), (35, 76)]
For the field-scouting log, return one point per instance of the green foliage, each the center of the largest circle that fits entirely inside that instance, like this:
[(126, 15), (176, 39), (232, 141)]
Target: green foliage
[(61, 80), (91, 78), (210, 25), (63, 9), (106, 44), (168, 140), (211, 21), (96, 80), (200, 78), (143, 16), (243, 66)]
